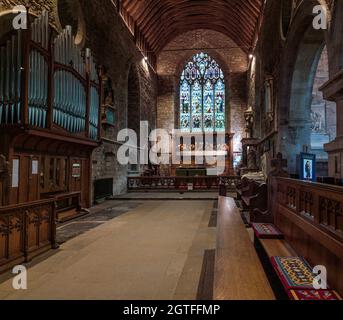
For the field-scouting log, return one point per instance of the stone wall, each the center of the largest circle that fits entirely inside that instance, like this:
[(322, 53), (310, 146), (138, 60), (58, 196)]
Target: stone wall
[(231, 59), (113, 45), (323, 112), (36, 7)]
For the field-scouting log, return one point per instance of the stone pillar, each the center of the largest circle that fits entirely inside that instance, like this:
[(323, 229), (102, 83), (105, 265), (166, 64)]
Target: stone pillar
[(333, 91)]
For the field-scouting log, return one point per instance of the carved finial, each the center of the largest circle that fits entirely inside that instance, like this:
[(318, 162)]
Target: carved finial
[(279, 164)]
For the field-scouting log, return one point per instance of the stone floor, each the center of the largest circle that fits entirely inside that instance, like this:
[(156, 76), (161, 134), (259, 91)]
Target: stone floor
[(98, 215), (153, 251)]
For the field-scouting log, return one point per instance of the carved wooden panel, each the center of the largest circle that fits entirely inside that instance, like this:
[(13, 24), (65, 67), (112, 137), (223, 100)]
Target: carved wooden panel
[(26, 230), (306, 203), (311, 219), (331, 214), (15, 236)]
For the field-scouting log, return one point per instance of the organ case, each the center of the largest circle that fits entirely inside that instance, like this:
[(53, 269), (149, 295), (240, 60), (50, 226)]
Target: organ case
[(49, 112)]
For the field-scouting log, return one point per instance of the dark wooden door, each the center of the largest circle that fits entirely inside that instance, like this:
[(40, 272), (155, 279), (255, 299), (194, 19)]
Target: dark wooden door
[(28, 178), (33, 179)]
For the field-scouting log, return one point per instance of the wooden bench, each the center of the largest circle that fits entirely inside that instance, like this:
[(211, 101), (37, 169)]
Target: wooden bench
[(272, 249), (238, 274), (68, 205)]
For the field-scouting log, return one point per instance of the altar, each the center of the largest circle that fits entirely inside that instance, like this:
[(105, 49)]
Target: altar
[(198, 152)]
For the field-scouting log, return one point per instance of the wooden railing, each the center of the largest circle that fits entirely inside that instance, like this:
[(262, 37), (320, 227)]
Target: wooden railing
[(311, 217), (26, 231), (181, 183)]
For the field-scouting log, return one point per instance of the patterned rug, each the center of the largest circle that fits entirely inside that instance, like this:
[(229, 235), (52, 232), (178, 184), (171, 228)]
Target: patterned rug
[(294, 272), (267, 231), (314, 295)]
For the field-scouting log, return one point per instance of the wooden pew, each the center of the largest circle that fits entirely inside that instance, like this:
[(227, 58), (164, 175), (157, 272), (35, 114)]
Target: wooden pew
[(242, 186), (239, 274), (310, 215), (68, 205), (274, 250), (254, 196), (249, 193)]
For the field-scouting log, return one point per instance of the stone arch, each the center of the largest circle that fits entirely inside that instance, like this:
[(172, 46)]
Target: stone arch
[(302, 52), (6, 18), (286, 12), (69, 12)]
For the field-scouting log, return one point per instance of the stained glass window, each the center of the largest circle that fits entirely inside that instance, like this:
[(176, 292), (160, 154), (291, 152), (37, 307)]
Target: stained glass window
[(202, 95)]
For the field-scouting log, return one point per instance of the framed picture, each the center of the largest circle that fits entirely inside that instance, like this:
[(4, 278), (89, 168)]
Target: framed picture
[(308, 167)]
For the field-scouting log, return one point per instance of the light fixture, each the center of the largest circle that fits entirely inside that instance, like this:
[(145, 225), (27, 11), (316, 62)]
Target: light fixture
[(251, 56), (146, 58)]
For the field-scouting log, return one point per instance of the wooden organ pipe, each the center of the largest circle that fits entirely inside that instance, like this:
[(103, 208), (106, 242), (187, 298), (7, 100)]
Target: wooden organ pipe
[(10, 75)]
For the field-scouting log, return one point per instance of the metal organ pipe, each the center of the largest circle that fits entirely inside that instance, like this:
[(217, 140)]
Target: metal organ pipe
[(38, 77), (10, 75), (71, 90)]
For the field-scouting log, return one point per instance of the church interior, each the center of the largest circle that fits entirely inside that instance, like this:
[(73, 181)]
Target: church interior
[(171, 150)]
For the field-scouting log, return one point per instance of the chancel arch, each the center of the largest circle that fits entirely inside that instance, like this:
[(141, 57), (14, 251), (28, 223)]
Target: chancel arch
[(303, 51)]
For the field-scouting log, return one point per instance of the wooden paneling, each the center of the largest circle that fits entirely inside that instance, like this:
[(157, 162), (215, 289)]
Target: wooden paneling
[(239, 274), (26, 231), (1, 192), (52, 177), (310, 217)]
